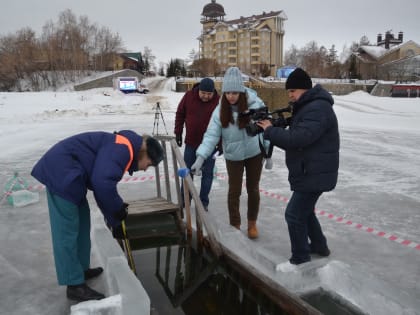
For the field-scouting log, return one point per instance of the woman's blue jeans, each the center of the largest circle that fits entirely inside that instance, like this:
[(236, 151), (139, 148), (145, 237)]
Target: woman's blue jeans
[(206, 176), (303, 224)]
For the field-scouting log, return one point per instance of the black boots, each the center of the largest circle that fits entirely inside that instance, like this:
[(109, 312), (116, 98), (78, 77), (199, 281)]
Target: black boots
[(82, 292), (324, 252), (93, 272)]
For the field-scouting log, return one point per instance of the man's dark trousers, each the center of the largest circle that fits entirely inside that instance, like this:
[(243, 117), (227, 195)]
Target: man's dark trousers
[(302, 223)]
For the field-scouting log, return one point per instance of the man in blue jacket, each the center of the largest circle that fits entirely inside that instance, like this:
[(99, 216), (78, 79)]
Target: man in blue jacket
[(312, 147), (93, 161)]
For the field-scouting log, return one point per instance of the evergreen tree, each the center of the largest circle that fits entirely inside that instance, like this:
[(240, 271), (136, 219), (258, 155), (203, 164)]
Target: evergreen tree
[(352, 68), (176, 68), (332, 56), (161, 72)]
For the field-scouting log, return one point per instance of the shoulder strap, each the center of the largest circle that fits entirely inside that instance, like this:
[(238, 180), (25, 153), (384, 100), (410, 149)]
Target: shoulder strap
[(265, 154), (123, 140)]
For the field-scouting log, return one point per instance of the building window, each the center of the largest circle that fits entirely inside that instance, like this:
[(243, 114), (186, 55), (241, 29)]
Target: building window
[(409, 53)]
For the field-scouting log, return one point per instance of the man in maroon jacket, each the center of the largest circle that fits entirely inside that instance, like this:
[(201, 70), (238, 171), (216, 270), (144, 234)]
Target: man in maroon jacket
[(194, 110)]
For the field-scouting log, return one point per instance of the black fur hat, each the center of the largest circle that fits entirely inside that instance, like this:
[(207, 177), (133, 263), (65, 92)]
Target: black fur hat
[(298, 79)]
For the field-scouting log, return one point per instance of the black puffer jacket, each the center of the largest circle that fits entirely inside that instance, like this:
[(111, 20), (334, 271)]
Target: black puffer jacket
[(311, 142)]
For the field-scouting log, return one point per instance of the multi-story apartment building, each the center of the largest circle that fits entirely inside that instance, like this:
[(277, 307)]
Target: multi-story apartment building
[(254, 43)]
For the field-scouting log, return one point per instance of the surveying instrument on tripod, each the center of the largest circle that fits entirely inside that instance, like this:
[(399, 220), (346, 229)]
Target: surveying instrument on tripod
[(158, 115)]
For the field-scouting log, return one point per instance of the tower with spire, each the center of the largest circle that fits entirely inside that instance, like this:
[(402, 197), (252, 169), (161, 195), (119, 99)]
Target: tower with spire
[(212, 13)]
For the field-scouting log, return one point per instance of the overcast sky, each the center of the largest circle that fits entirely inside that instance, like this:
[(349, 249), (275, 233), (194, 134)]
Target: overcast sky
[(170, 28)]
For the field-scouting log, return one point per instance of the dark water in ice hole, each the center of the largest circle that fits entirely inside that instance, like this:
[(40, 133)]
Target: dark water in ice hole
[(183, 280), (180, 279)]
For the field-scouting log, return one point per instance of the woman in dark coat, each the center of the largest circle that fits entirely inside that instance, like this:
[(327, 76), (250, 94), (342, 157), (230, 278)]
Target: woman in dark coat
[(312, 145)]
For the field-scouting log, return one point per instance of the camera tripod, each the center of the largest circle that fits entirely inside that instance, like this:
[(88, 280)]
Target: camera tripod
[(158, 115)]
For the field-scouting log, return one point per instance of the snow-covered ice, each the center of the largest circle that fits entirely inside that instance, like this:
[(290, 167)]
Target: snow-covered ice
[(371, 220)]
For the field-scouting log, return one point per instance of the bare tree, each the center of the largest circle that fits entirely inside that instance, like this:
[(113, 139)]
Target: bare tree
[(149, 60), (8, 75), (193, 55), (64, 51), (317, 60), (17, 55), (205, 67), (293, 56), (311, 60)]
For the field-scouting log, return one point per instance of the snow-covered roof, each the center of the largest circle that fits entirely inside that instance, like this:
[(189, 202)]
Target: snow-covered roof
[(260, 17), (250, 22), (374, 51), (377, 52), (396, 47)]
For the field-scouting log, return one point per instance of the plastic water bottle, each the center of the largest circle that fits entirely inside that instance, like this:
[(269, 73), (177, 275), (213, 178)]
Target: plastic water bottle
[(24, 197), (14, 184)]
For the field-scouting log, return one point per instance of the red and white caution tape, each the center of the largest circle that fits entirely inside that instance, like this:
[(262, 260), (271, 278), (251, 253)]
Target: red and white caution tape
[(361, 227), (335, 218)]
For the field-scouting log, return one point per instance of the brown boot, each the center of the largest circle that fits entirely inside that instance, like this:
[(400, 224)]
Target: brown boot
[(252, 229)]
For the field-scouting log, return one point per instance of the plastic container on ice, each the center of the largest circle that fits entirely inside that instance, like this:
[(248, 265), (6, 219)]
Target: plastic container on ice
[(24, 197), (18, 195), (14, 184)]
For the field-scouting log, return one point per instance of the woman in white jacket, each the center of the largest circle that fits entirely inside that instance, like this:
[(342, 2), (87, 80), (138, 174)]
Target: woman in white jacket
[(241, 150)]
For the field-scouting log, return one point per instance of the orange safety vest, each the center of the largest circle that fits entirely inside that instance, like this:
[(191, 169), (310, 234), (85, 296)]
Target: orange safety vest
[(123, 140)]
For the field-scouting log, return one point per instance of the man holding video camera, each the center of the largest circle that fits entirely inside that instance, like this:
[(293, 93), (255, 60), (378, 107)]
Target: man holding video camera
[(311, 144)]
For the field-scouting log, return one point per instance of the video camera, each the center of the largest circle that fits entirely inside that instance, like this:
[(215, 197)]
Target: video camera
[(276, 117)]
